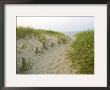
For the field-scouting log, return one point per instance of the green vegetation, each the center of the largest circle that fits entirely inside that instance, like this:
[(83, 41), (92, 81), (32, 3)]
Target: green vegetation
[(26, 65), (23, 46), (81, 52), (22, 32)]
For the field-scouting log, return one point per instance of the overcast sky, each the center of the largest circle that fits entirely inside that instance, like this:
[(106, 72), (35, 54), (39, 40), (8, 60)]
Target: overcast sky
[(62, 24)]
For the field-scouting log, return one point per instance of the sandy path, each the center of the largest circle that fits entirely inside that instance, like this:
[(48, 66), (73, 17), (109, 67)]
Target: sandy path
[(52, 62)]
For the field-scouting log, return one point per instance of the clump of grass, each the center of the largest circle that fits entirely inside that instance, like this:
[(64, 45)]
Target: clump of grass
[(52, 44), (37, 51), (81, 52), (23, 46), (45, 46), (62, 39), (26, 65)]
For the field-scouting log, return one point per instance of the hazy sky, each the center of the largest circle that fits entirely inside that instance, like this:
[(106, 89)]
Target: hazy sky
[(62, 24)]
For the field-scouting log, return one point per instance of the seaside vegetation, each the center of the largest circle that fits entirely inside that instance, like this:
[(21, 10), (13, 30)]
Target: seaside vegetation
[(22, 32), (81, 52)]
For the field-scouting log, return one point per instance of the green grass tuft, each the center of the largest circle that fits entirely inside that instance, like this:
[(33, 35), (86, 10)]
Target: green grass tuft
[(26, 65)]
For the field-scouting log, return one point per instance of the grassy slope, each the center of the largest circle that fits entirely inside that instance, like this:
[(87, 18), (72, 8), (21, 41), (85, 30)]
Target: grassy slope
[(82, 52), (22, 32)]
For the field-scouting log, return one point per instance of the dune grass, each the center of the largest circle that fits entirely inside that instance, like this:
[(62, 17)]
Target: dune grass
[(22, 32), (26, 64), (81, 52)]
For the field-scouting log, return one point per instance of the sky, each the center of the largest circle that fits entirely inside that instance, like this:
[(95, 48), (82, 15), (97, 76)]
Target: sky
[(61, 24)]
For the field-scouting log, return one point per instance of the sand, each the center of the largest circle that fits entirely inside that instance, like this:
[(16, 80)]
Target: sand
[(52, 62)]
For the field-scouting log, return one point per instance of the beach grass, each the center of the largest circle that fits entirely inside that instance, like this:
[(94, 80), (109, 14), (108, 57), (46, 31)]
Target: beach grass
[(81, 52)]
